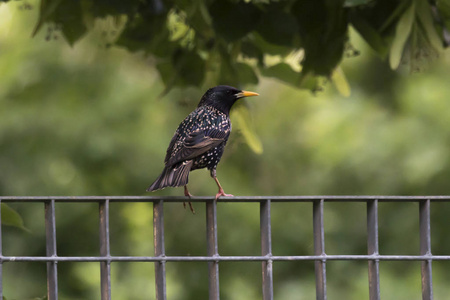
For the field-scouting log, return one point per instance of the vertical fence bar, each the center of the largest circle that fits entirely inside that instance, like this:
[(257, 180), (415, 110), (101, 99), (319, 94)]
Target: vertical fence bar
[(1, 254), (105, 266), (50, 233), (425, 249), (266, 249), (212, 249), (158, 242), (319, 249), (372, 249)]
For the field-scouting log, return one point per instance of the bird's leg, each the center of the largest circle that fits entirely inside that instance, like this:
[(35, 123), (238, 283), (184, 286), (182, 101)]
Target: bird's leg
[(187, 194), (220, 193)]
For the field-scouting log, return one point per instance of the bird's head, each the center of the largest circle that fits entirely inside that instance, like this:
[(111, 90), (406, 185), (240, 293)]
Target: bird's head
[(223, 97)]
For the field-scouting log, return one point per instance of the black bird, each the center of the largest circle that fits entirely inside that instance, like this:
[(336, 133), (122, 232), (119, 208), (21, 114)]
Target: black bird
[(200, 139)]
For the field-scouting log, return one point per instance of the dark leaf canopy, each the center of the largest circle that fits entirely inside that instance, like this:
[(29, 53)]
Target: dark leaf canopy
[(233, 42)]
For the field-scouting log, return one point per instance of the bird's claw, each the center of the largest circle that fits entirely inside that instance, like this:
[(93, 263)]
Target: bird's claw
[(187, 194), (222, 193), (191, 207)]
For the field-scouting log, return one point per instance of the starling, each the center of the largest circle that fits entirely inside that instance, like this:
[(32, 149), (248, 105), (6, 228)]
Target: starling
[(200, 139)]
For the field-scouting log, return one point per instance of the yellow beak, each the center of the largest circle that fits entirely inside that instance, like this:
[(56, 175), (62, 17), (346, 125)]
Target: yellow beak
[(246, 94)]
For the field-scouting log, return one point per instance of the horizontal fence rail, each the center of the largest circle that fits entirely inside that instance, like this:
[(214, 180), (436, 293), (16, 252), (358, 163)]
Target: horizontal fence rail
[(213, 258)]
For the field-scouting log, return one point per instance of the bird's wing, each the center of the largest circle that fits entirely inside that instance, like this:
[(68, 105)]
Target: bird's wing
[(195, 144), (171, 149)]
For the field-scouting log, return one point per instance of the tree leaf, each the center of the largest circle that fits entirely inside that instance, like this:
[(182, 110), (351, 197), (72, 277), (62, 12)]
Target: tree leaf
[(246, 74), (340, 82), (73, 26), (369, 34), (11, 218), (352, 3), (249, 50), (402, 32), (148, 33), (189, 66), (423, 11), (394, 14), (240, 117), (323, 29), (283, 72), (269, 48), (234, 20), (167, 73), (183, 69), (444, 9), (278, 27), (47, 8)]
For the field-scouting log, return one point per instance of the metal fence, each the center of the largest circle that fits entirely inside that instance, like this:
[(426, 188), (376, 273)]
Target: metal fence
[(213, 258)]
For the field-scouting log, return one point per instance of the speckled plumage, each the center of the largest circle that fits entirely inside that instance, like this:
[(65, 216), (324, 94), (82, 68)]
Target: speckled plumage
[(204, 122), (200, 139)]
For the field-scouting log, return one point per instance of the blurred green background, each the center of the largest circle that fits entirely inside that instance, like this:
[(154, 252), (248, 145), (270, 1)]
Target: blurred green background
[(90, 121)]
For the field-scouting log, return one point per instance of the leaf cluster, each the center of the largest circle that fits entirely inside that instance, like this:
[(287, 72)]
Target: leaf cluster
[(205, 42)]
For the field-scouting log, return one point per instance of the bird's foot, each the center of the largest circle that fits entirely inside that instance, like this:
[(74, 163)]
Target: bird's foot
[(187, 194), (190, 207), (222, 193)]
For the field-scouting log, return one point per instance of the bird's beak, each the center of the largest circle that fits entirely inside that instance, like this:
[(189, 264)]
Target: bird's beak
[(242, 94)]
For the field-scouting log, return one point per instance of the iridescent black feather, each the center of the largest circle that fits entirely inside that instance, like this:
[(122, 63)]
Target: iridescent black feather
[(200, 139)]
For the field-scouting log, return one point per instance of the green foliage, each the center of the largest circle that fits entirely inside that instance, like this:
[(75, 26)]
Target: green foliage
[(339, 80), (234, 20), (240, 117), (402, 31), (195, 40), (11, 218), (323, 33)]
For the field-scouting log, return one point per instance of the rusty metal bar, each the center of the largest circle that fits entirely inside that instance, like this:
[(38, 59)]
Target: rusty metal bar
[(105, 266), (212, 249), (425, 249), (319, 250), (50, 233), (158, 242), (372, 249), (266, 249)]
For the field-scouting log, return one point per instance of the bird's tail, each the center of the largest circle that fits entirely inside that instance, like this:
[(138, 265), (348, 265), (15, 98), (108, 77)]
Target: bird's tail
[(176, 175)]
